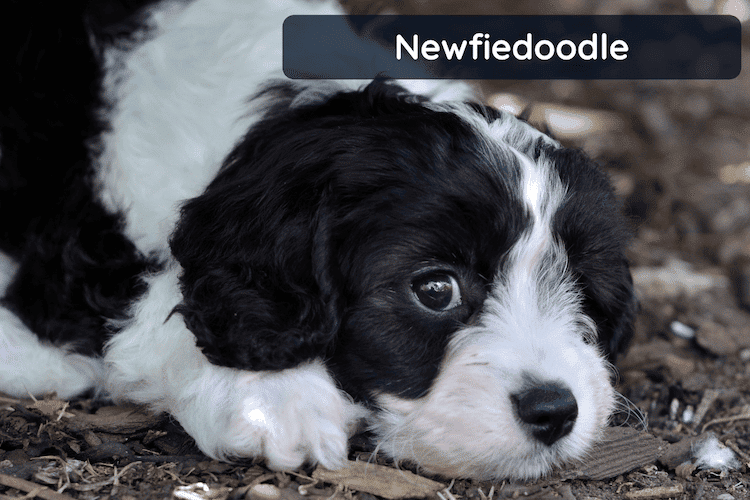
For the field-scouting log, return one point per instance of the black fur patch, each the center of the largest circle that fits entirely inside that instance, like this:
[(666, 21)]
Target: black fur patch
[(77, 269)]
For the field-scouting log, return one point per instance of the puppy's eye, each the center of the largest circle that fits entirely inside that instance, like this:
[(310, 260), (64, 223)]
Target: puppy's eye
[(439, 292)]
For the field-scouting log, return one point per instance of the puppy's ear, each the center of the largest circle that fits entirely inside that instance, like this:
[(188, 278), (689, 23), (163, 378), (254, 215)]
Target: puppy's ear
[(260, 276), (595, 235), (258, 290), (616, 332)]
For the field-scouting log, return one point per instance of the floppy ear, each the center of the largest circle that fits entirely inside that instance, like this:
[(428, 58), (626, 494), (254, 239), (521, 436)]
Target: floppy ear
[(595, 235), (616, 332), (258, 290), (609, 299), (259, 276), (256, 294)]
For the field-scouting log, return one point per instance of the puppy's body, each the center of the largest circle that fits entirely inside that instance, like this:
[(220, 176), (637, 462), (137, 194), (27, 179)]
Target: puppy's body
[(272, 261)]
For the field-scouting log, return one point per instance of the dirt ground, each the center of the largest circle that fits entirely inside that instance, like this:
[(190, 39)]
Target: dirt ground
[(679, 155)]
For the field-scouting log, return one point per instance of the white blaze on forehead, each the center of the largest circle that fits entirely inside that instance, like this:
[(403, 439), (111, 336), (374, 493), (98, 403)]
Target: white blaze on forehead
[(534, 185), (541, 189), (536, 267), (542, 193), (534, 277)]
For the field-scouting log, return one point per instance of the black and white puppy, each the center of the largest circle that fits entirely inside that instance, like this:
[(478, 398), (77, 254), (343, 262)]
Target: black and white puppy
[(273, 261)]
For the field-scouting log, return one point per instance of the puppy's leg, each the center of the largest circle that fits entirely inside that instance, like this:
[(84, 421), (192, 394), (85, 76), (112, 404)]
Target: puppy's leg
[(29, 366), (288, 417)]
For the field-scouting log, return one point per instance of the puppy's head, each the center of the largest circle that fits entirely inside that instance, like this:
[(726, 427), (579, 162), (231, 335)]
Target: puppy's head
[(461, 273)]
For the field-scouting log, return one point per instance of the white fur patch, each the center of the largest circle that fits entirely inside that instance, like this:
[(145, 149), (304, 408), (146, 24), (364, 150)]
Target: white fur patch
[(178, 103), (29, 366), (8, 268), (288, 417), (177, 99)]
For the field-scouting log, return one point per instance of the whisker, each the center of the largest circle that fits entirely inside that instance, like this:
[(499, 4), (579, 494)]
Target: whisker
[(624, 406)]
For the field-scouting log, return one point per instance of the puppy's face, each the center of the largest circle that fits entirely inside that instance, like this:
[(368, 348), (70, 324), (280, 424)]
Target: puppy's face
[(461, 274)]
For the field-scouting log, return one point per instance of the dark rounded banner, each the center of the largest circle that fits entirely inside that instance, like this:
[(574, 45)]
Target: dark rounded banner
[(513, 47)]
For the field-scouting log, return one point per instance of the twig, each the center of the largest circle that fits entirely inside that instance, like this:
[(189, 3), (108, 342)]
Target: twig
[(27, 486), (738, 451), (743, 415), (28, 415), (63, 465), (8, 401)]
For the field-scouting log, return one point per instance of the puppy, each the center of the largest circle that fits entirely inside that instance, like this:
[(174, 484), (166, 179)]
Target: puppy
[(274, 261)]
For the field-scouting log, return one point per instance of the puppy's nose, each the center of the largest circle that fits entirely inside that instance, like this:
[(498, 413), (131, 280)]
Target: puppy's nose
[(548, 411)]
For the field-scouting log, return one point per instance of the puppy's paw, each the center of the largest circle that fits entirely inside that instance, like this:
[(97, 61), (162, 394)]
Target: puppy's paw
[(292, 417), (288, 433)]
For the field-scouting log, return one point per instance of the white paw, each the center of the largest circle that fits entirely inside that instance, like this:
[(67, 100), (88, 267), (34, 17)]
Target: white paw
[(289, 418), (30, 366)]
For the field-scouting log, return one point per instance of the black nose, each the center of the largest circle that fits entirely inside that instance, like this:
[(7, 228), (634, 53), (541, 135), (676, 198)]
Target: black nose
[(548, 411)]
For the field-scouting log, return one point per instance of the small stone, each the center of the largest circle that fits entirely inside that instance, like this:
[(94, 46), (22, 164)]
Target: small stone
[(674, 406), (688, 415), (716, 339), (682, 330), (264, 491)]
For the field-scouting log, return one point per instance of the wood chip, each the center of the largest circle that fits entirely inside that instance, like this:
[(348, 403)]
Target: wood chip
[(126, 419), (199, 491), (658, 492), (92, 439), (680, 452), (676, 277), (52, 408), (568, 122), (621, 450), (379, 480), (709, 398)]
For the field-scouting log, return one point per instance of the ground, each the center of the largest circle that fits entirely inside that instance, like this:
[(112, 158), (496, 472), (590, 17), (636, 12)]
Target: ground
[(678, 153)]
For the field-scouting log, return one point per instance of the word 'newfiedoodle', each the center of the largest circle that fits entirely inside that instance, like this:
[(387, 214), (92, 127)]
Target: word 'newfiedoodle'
[(526, 49)]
